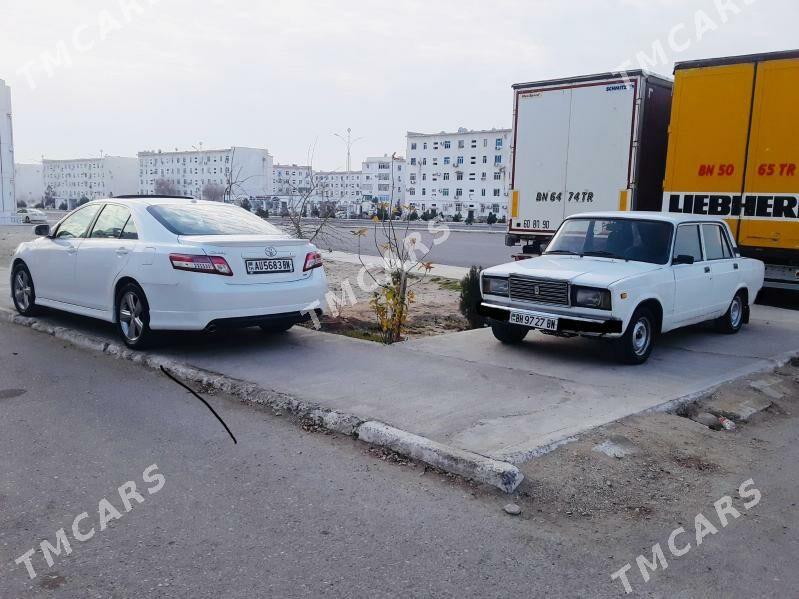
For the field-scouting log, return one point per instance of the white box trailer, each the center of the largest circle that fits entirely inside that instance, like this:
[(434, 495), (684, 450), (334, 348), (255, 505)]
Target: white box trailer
[(596, 142)]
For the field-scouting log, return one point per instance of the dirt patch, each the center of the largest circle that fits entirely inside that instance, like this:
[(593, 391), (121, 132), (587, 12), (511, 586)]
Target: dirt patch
[(434, 312), (675, 462)]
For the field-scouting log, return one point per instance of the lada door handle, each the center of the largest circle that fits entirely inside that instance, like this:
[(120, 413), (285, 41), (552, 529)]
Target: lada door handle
[(707, 269)]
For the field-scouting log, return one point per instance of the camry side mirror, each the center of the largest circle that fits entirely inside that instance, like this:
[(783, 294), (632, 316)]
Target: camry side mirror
[(683, 259), (42, 230)]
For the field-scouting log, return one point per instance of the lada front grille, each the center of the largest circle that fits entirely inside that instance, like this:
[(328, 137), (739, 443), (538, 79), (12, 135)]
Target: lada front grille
[(539, 291)]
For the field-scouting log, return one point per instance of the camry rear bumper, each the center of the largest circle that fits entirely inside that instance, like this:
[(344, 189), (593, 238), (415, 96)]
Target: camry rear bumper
[(610, 327)]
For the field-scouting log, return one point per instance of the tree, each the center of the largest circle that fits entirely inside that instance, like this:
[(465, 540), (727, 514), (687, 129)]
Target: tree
[(402, 255), (413, 215), (82, 200), (502, 220), (245, 203), (426, 215), (492, 218), (213, 192), (469, 219), (262, 212), (49, 196), (457, 218), (321, 230), (63, 206), (470, 298), (165, 187), (21, 204)]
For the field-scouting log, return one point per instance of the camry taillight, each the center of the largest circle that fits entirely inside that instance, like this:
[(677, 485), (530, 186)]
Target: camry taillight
[(312, 260), (214, 265)]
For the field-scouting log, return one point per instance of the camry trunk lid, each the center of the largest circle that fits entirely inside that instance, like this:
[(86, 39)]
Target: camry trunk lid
[(254, 259)]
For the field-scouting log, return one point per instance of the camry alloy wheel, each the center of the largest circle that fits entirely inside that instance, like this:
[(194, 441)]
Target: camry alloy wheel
[(22, 289), (130, 316)]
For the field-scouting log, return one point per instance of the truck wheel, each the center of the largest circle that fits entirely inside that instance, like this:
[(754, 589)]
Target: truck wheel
[(733, 320), (635, 345), (508, 333)]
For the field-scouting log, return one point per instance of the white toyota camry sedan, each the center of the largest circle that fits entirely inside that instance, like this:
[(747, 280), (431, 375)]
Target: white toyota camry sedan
[(159, 263)]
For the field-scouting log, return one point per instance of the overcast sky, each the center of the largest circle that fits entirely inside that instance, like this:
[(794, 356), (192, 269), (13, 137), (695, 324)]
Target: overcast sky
[(287, 74)]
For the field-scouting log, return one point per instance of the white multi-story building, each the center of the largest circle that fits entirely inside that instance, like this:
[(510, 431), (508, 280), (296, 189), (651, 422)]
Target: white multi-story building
[(291, 179), (29, 183), (467, 172), (91, 178), (339, 188), (7, 195), (383, 180), (231, 174)]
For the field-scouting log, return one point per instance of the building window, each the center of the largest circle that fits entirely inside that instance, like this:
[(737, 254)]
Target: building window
[(483, 192), (498, 159), (413, 161), (445, 192), (461, 143), (413, 146), (460, 160), (485, 159), (446, 176), (496, 193), (446, 160), (497, 176), (458, 193), (447, 145), (459, 176)]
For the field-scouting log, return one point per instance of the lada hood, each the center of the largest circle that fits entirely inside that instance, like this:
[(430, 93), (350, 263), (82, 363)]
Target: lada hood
[(589, 271)]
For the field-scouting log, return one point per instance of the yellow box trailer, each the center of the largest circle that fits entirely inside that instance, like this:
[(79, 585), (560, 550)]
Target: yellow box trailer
[(734, 152)]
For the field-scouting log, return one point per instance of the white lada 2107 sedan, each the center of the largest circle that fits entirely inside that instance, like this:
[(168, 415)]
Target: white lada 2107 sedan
[(159, 263), (627, 276)]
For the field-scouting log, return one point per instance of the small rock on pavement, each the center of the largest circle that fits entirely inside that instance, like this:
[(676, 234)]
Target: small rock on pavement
[(512, 509)]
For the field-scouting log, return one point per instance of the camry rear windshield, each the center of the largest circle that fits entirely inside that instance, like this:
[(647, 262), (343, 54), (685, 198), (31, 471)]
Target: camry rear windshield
[(622, 238), (203, 219)]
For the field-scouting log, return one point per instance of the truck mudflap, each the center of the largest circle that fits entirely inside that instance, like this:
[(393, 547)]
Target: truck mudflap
[(565, 324)]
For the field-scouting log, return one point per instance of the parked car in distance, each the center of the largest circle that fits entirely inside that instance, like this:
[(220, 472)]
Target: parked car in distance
[(626, 276), (32, 215), (158, 263)]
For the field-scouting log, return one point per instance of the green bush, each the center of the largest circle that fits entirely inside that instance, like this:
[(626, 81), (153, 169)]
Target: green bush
[(457, 218), (492, 218), (470, 298), (413, 216)]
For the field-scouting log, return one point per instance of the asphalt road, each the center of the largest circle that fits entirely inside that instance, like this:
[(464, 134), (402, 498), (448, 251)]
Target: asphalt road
[(287, 513), (455, 248)]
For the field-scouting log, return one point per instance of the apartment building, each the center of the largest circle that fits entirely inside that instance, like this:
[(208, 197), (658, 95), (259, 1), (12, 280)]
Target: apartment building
[(466, 172), (340, 188), (383, 180), (7, 195), (91, 178), (29, 183), (229, 174), (291, 179)]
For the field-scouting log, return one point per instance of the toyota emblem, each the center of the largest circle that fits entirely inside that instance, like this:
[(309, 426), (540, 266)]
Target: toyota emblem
[(537, 290), (271, 252)]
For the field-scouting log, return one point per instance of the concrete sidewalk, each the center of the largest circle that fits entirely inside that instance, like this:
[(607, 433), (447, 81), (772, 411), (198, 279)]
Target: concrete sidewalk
[(466, 390)]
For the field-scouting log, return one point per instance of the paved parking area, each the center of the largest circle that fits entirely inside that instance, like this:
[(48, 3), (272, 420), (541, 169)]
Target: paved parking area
[(467, 390)]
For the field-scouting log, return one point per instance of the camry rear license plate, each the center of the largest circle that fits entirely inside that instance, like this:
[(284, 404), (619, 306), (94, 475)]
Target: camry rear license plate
[(272, 265), (535, 321)]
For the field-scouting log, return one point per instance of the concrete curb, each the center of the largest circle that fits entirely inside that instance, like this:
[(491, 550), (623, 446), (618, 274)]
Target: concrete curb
[(499, 474)]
